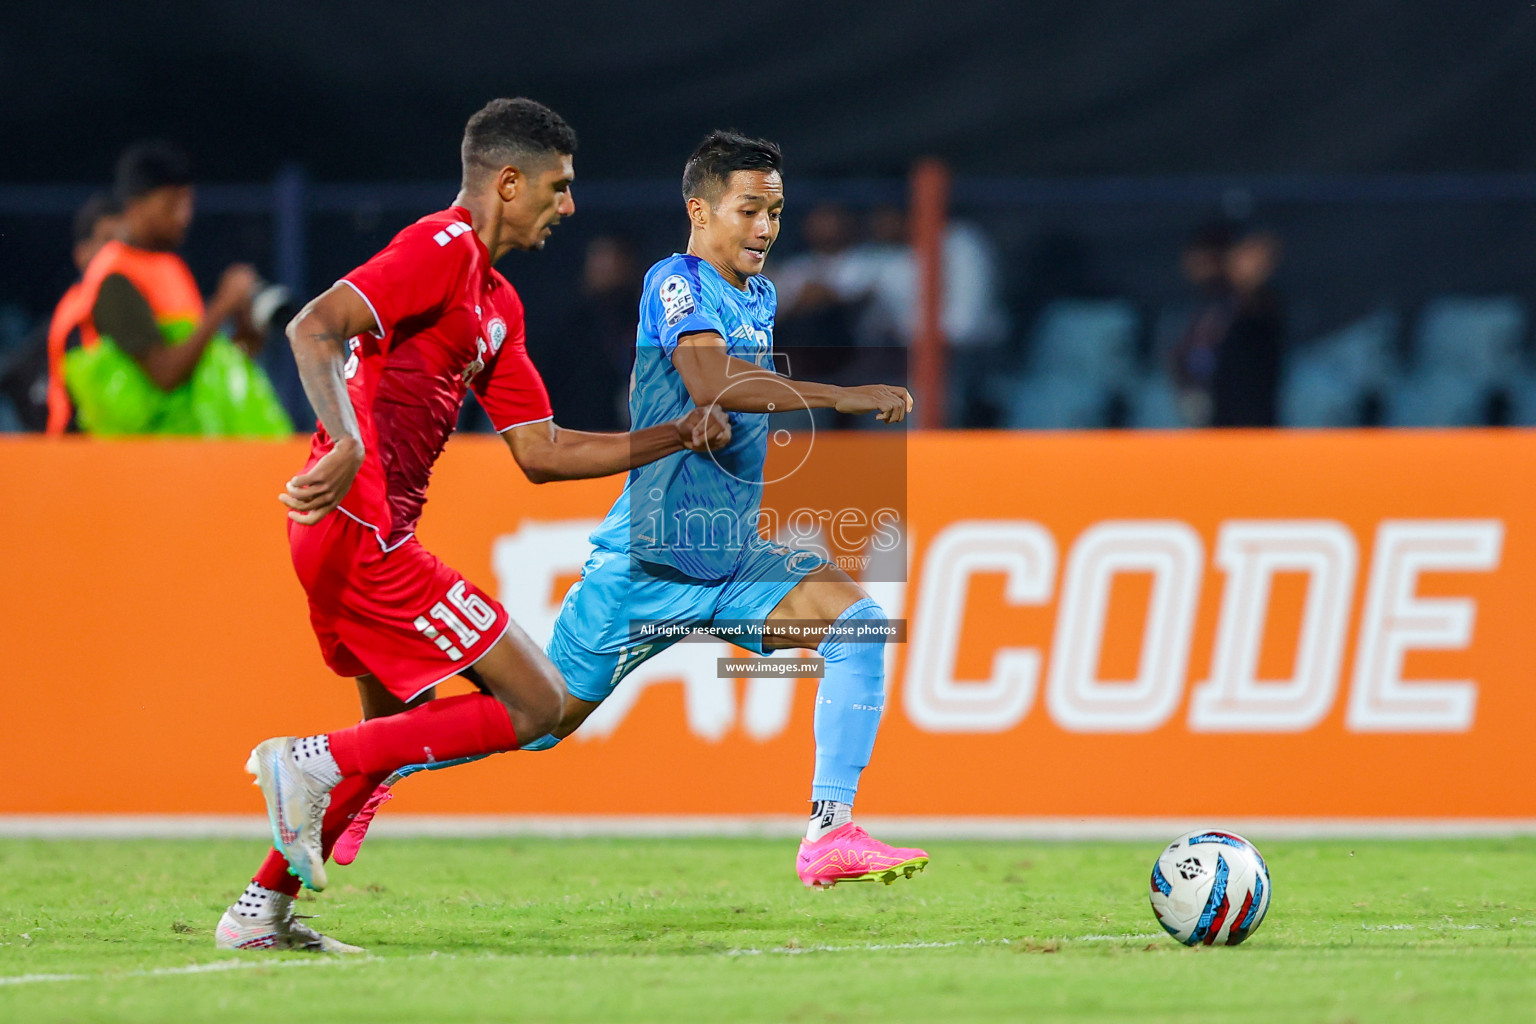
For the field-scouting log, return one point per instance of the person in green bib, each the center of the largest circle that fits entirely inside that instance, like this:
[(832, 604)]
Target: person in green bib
[(154, 359)]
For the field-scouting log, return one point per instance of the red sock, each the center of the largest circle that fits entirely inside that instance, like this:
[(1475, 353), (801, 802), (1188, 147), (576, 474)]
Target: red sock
[(346, 800), (273, 874), (440, 730)]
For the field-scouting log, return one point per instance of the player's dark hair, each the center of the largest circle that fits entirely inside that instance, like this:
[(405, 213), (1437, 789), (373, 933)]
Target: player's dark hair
[(91, 211), (147, 166), (721, 154), (511, 132)]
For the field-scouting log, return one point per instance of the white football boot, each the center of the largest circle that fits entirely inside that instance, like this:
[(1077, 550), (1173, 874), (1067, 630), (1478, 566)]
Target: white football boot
[(277, 927), (296, 806)]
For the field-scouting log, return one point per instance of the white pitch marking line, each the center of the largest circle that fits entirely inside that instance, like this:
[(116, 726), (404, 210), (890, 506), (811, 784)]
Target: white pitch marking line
[(1430, 927), (790, 950), (237, 965), (220, 965), (793, 950)]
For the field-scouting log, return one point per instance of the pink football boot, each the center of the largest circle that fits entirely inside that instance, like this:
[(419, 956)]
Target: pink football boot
[(350, 841), (848, 854)]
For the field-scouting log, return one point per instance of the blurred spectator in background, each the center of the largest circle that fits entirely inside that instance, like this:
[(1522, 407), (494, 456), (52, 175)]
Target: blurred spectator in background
[(1203, 262), (1227, 365), (152, 358), (586, 362), (96, 224), (33, 378), (822, 294), (975, 325), (1245, 387), (882, 268)]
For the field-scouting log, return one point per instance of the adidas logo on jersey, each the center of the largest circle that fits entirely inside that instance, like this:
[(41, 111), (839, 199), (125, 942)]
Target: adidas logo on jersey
[(746, 333)]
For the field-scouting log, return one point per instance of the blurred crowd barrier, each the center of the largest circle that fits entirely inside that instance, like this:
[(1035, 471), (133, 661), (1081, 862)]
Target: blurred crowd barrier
[(1243, 624), (1353, 301)]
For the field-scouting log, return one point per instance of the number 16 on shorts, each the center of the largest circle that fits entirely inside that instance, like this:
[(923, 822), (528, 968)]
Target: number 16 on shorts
[(467, 616)]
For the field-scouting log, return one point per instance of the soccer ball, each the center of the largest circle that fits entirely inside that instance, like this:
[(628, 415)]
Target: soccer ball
[(1210, 888)]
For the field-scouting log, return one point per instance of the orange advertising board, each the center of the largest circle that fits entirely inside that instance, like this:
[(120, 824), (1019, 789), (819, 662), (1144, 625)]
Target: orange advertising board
[(1322, 625)]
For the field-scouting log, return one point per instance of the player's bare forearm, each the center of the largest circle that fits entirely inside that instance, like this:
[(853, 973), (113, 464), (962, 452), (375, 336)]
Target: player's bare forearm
[(750, 388), (319, 336), (715, 378), (547, 452), (321, 362)]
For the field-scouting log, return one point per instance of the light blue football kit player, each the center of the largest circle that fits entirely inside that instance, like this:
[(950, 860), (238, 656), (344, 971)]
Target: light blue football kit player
[(680, 548)]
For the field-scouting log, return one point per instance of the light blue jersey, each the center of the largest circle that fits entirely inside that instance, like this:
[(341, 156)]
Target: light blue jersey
[(693, 513)]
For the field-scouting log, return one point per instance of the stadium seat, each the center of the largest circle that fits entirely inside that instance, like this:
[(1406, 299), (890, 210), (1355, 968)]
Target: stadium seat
[(1522, 401), (1327, 381), (1478, 338), (1437, 400), (1086, 339), (1155, 404), (1057, 403), (1082, 354), (1466, 353)]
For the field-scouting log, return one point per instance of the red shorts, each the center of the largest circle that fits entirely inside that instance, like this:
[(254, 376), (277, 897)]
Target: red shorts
[(402, 615)]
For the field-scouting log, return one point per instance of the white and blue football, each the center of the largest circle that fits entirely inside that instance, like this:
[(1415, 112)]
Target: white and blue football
[(1210, 888)]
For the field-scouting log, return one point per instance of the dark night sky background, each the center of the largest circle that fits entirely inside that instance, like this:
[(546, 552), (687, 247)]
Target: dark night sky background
[(380, 90)]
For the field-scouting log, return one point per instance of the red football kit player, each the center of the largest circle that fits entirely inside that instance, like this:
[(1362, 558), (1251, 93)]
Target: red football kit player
[(381, 604), (386, 356)]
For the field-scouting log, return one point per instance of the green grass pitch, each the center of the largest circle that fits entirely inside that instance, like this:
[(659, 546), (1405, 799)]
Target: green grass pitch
[(619, 930)]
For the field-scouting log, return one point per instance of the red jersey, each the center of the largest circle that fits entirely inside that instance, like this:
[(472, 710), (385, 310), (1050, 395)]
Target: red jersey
[(447, 322)]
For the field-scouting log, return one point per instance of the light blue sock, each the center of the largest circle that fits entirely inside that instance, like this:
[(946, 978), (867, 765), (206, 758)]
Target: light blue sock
[(542, 743), (848, 705)]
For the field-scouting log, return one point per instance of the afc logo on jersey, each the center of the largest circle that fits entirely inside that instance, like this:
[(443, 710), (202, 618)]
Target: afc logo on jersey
[(676, 299)]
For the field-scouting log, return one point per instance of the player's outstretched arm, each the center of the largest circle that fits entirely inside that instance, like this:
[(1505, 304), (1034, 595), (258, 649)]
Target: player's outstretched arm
[(319, 338), (717, 379), (547, 452)]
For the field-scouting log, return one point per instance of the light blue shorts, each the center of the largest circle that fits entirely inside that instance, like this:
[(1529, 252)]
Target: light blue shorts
[(601, 636)]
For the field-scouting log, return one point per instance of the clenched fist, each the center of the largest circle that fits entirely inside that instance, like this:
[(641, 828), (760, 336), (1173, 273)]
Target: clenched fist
[(704, 430)]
